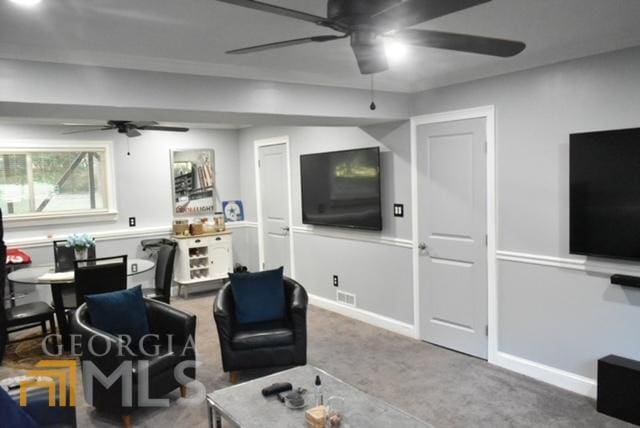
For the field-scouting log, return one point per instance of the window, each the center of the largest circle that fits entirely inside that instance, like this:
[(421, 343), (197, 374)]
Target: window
[(52, 182)]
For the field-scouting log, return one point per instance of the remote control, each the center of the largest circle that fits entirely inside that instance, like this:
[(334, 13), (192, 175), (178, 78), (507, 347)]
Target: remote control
[(276, 388)]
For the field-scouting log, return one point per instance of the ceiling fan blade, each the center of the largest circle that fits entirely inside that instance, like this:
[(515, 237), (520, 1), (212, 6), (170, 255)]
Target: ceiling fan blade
[(80, 131), (371, 57), (132, 132), (275, 45), (407, 13), (461, 42), (141, 124), (163, 128), (283, 11)]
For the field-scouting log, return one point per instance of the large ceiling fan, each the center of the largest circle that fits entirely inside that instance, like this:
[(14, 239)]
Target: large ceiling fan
[(131, 128), (366, 22)]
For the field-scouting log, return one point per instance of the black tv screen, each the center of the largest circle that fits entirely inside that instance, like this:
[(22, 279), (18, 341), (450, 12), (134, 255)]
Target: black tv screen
[(605, 194), (342, 189)]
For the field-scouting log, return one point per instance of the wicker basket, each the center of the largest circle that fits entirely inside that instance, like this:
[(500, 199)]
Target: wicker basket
[(196, 229)]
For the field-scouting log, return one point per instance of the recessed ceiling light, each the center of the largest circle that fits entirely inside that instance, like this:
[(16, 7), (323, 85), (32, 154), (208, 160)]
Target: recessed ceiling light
[(396, 51), (26, 3)]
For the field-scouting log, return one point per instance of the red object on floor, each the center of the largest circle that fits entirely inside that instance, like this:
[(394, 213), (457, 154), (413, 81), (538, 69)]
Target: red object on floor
[(17, 257)]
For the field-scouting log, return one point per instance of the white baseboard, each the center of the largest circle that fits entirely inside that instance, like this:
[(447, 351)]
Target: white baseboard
[(566, 380), (364, 316)]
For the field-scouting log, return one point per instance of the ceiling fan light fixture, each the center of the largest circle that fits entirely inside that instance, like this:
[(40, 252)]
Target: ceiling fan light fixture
[(26, 3), (396, 51)]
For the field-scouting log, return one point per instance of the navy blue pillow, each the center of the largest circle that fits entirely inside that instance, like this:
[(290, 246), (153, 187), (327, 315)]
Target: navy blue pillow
[(12, 414), (119, 313), (258, 296)]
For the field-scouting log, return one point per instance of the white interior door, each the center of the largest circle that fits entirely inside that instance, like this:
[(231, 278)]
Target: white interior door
[(452, 234), (274, 203)]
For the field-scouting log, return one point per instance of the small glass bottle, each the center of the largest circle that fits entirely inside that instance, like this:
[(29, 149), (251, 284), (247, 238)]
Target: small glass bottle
[(319, 399)]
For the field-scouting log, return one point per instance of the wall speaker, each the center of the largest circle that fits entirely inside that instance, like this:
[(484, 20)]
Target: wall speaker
[(619, 388)]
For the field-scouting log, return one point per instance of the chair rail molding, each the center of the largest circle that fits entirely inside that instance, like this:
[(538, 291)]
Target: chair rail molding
[(584, 264), (354, 236), (109, 235)]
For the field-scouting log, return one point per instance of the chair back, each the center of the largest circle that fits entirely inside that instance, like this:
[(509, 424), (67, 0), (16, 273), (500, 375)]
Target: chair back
[(64, 256), (164, 269), (96, 276)]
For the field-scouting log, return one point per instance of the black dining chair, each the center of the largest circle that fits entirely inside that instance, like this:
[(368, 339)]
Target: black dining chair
[(164, 274), (95, 276), (20, 317), (64, 256)]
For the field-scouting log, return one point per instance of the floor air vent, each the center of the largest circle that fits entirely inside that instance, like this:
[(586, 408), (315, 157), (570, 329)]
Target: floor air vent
[(346, 298)]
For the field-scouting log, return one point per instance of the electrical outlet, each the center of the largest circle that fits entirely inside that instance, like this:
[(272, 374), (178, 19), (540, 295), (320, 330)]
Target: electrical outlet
[(335, 280), (398, 210), (132, 222)]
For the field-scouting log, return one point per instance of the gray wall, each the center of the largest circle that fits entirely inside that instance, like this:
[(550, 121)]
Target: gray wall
[(559, 317), (144, 176), (379, 274), (143, 187)]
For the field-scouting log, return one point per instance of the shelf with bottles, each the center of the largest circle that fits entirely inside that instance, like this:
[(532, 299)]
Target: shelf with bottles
[(199, 263), (199, 273), (198, 252)]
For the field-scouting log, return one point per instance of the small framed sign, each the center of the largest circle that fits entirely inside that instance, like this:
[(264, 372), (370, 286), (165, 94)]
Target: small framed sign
[(233, 211)]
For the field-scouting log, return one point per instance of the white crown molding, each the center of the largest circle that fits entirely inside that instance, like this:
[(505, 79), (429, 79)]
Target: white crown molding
[(368, 317), (583, 264)]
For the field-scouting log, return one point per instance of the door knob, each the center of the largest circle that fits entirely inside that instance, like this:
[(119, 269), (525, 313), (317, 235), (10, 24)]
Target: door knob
[(422, 246), (286, 230)]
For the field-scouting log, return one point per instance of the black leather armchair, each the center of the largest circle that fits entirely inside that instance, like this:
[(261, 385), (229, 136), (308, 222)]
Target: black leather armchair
[(265, 344), (164, 320)]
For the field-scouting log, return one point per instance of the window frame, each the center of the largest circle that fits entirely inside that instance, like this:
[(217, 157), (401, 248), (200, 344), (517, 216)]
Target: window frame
[(108, 213)]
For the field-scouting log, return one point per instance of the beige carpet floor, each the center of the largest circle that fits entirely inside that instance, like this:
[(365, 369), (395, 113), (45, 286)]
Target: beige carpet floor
[(444, 388)]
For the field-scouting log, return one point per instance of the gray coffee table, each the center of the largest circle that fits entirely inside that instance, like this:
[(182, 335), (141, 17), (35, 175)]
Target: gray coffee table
[(243, 405)]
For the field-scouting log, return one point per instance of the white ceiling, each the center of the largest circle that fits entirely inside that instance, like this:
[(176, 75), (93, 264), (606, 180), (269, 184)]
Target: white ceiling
[(191, 36)]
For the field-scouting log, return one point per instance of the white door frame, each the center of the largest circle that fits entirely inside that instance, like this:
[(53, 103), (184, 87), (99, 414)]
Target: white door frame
[(488, 113), (272, 142)]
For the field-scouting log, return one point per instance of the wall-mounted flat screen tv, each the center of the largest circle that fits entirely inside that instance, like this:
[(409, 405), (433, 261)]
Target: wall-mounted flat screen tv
[(342, 189), (605, 194)]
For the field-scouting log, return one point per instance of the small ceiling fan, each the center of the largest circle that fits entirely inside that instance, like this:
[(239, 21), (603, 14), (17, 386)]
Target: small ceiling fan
[(366, 22), (130, 128)]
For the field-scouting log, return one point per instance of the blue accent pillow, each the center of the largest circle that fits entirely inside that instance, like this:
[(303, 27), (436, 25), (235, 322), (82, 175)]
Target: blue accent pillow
[(119, 313), (12, 414), (258, 296)]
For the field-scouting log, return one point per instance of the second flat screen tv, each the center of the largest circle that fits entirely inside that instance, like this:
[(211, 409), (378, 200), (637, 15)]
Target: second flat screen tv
[(605, 194), (342, 189)]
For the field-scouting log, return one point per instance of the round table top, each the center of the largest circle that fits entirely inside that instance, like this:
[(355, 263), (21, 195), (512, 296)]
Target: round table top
[(30, 275)]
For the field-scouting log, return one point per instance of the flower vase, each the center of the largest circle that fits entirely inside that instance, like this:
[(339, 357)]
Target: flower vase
[(81, 253)]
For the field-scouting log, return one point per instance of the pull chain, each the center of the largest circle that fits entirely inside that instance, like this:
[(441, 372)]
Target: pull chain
[(128, 146), (372, 106)]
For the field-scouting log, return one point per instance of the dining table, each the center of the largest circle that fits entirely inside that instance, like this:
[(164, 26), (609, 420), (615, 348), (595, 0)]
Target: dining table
[(37, 275)]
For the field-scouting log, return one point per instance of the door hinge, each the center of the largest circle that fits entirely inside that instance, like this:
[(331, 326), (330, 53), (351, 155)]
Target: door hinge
[(259, 163), (486, 330), (486, 240), (486, 147)]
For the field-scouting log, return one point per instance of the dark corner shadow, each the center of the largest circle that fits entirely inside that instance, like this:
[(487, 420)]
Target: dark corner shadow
[(395, 136), (381, 130)]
